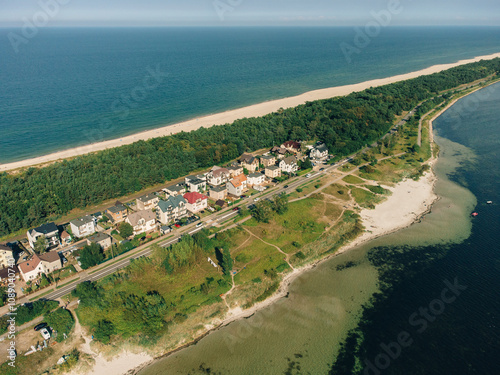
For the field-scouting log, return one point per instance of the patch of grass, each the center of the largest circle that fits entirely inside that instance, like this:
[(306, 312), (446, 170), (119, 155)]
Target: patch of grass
[(377, 189), (351, 179), (300, 224), (364, 198), (338, 191)]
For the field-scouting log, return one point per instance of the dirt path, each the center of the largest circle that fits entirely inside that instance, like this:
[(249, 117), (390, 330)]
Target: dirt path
[(276, 247)]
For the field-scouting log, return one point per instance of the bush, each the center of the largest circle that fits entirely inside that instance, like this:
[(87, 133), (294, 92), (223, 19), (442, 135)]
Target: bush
[(29, 312), (61, 321), (103, 331)]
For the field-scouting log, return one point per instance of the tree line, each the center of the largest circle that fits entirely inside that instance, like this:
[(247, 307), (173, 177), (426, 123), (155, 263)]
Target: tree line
[(345, 124)]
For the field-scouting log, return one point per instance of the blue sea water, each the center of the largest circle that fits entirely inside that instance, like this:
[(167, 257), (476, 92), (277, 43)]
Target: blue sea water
[(71, 87)]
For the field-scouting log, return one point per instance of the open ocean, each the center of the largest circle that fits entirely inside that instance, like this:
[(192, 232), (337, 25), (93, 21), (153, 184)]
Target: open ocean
[(71, 87)]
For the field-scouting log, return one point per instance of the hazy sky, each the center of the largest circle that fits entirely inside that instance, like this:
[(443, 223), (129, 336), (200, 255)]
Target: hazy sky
[(247, 12)]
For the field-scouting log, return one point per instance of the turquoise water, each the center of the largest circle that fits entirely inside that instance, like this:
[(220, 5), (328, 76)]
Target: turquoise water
[(70, 87)]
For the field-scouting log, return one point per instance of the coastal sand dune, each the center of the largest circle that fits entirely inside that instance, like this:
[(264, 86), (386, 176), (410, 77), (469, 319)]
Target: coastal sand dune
[(256, 110)]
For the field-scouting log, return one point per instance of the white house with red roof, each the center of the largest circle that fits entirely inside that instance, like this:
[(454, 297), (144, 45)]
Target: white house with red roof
[(43, 263), (196, 202)]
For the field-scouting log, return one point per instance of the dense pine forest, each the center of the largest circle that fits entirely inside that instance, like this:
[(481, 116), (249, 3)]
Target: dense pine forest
[(345, 124)]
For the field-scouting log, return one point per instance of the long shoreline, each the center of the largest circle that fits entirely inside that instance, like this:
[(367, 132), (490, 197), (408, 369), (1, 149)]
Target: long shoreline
[(226, 117)]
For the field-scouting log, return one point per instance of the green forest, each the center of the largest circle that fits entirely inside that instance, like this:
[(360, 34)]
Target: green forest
[(345, 124)]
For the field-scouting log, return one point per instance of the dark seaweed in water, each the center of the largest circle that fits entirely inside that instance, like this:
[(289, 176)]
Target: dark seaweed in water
[(349, 264)]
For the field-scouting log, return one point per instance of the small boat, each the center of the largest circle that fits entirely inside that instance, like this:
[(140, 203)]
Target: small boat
[(474, 214), (489, 202)]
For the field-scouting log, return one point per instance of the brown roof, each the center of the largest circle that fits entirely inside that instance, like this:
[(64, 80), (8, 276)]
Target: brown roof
[(29, 265), (219, 171), (4, 272), (292, 144), (290, 160), (65, 234), (134, 218), (5, 248), (50, 257)]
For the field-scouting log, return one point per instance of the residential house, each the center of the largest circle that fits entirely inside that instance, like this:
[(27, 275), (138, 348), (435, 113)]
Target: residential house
[(196, 202), (289, 164), (319, 152), (43, 263), (172, 209), (249, 162), (273, 171), (218, 176), (237, 185), (291, 146), (147, 202), (6, 256), (174, 190), (218, 192), (196, 183), (235, 170), (280, 152), (65, 238), (102, 239), (83, 226), (142, 221), (267, 160), (6, 273), (48, 230), (117, 213), (256, 178)]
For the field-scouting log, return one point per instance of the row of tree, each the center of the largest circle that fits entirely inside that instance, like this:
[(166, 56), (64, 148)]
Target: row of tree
[(345, 124)]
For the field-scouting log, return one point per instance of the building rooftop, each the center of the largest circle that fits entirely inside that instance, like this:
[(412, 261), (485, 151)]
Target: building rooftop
[(45, 228), (51, 256), (255, 174), (98, 237), (148, 197), (194, 196), (219, 189), (273, 167), (171, 202), (134, 218), (82, 221)]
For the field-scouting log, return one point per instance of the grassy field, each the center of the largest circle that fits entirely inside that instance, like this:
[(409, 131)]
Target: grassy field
[(353, 180), (302, 223)]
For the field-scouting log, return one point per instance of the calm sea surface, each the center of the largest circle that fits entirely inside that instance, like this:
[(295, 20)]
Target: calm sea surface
[(70, 87), (302, 334)]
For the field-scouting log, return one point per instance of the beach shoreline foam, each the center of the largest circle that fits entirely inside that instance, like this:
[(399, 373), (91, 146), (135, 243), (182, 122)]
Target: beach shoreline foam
[(230, 116)]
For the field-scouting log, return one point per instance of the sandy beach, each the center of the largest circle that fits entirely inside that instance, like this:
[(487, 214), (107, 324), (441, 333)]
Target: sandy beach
[(256, 110)]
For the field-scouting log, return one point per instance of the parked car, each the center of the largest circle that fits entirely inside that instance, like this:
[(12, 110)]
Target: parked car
[(177, 225), (236, 208), (199, 225), (45, 333), (40, 326), (256, 199), (286, 186), (322, 169), (308, 175)]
